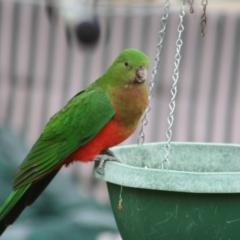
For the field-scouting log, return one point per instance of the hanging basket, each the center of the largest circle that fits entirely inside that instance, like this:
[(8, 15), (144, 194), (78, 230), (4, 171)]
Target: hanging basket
[(198, 198)]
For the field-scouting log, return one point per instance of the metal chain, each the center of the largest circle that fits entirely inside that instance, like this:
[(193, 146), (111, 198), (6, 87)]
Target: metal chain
[(191, 5), (204, 16), (175, 77), (144, 122)]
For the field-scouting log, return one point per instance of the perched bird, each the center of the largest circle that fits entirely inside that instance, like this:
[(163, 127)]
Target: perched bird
[(101, 116)]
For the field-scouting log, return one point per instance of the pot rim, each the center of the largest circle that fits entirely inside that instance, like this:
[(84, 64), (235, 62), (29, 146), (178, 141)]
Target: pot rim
[(173, 180)]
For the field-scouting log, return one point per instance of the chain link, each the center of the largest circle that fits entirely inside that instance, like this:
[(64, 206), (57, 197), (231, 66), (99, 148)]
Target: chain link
[(175, 77), (144, 122), (191, 6)]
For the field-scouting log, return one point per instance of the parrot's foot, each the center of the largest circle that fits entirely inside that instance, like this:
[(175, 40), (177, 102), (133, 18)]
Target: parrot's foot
[(106, 155), (107, 152)]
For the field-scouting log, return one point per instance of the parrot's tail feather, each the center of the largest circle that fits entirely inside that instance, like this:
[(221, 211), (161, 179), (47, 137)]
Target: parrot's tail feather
[(12, 208), (21, 198), (39, 186)]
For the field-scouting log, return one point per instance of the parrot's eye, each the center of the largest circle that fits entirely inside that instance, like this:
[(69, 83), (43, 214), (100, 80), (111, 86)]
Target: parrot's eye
[(126, 64)]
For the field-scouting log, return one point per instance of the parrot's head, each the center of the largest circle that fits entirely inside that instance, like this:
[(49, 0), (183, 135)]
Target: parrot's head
[(129, 68)]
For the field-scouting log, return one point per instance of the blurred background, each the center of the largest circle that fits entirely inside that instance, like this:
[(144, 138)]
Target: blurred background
[(50, 50)]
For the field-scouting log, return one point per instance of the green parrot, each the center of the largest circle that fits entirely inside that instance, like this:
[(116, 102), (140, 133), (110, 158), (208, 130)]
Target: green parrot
[(101, 116)]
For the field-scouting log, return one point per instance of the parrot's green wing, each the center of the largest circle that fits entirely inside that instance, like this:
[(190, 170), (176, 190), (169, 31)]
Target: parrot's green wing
[(72, 127)]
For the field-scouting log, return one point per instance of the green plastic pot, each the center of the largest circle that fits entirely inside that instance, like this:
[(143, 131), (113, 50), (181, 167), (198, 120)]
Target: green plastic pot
[(197, 198)]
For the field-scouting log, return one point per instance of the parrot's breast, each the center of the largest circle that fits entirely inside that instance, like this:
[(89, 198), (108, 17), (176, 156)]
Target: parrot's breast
[(130, 104), (112, 134)]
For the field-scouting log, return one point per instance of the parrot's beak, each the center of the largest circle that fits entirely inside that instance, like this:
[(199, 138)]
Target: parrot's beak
[(141, 75)]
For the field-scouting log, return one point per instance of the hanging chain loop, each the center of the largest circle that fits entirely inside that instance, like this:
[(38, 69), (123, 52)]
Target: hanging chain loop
[(144, 122), (175, 76)]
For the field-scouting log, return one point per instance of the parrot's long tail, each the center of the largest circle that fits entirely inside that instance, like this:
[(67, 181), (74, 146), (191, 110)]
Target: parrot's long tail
[(21, 198)]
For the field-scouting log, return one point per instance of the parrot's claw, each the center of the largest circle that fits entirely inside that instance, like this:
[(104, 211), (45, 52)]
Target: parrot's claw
[(107, 152), (105, 156)]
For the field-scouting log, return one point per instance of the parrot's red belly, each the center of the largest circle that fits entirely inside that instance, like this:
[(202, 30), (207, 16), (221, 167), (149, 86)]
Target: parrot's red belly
[(111, 135)]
